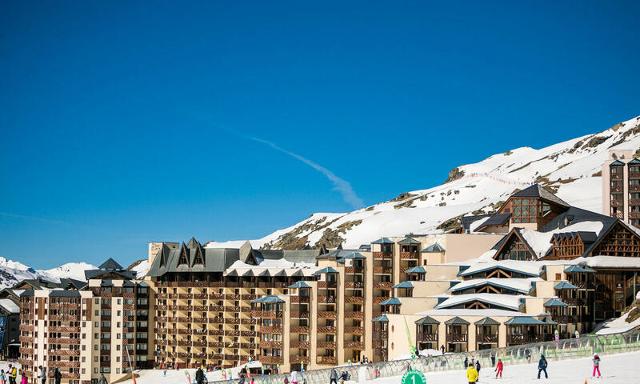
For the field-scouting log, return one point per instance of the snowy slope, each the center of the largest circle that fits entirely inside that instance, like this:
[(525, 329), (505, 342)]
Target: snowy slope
[(68, 270), (572, 168), (12, 272)]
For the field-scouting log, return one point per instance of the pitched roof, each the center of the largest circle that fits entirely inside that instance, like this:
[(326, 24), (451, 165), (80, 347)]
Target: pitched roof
[(496, 219), (391, 301), (616, 163), (635, 161), (564, 285), (537, 190), (555, 302), (456, 321), (381, 319), (427, 320), (300, 284), (326, 270), (577, 268), (433, 248), (270, 299), (524, 320), (215, 260), (383, 240), (111, 265), (487, 321), (404, 284), (409, 241), (416, 269), (466, 221)]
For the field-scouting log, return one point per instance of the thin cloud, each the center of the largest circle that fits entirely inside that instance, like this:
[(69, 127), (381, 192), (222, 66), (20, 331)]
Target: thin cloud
[(32, 218), (341, 185)]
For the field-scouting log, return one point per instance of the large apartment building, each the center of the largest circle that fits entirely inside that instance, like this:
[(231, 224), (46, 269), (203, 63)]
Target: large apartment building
[(99, 329), (621, 186)]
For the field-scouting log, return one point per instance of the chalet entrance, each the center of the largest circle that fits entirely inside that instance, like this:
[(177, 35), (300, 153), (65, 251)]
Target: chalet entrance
[(457, 334), (427, 333)]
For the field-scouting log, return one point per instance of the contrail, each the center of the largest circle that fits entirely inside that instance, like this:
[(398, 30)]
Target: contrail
[(34, 218), (341, 185)]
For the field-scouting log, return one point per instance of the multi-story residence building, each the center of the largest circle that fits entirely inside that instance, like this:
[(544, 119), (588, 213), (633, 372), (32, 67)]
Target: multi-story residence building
[(621, 186), (100, 329)]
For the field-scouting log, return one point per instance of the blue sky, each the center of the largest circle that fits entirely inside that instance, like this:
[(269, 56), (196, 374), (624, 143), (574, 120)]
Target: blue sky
[(123, 123)]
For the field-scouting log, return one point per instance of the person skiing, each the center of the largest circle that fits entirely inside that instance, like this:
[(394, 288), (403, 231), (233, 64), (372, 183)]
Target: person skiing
[(542, 367), (493, 359), (499, 368), (596, 366), (478, 368), (57, 376), (472, 374), (442, 349), (333, 376), (466, 362), (527, 353)]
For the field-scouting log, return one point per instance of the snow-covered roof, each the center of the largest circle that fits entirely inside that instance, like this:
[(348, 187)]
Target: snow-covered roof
[(520, 285), (471, 312), (523, 267), (540, 242), (9, 306), (267, 267), (610, 262), (504, 301)]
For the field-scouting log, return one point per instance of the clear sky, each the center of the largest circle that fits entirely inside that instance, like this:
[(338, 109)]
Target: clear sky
[(125, 122)]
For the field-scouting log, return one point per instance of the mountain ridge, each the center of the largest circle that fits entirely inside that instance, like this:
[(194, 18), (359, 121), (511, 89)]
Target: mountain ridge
[(571, 169)]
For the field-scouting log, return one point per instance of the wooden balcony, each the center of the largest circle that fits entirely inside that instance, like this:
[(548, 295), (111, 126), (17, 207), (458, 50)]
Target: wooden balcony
[(457, 337), (299, 359), (300, 299), (326, 329), (354, 285), (523, 339), (327, 299), (354, 299), (354, 315), (378, 270), (327, 284), (410, 255), (354, 344), (326, 315), (326, 344), (427, 337), (382, 255), (331, 360), (216, 308), (299, 329), (352, 330), (271, 329), (216, 296), (383, 284), (270, 344), (300, 344), (487, 338), (272, 359), (354, 270)]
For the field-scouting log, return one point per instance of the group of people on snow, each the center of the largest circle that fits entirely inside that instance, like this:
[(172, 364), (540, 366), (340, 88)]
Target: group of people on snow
[(12, 374)]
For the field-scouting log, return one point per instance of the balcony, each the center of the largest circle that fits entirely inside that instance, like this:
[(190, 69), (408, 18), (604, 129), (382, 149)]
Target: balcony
[(300, 344), (487, 338), (331, 360), (354, 344), (457, 337), (326, 344), (354, 300), (326, 329), (300, 315), (299, 359), (354, 330), (354, 315), (428, 337), (354, 270), (523, 339), (409, 255), (271, 329), (216, 296), (383, 284), (299, 329), (354, 285), (327, 299), (382, 270), (327, 284), (326, 315), (272, 359), (270, 344), (300, 299), (216, 308), (382, 255)]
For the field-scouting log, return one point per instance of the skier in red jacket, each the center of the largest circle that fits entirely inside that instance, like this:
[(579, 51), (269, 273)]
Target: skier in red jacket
[(499, 368)]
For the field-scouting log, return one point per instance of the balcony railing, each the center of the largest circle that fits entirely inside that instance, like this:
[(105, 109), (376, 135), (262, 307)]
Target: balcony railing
[(487, 338), (380, 255), (409, 255), (427, 336), (326, 360), (457, 337)]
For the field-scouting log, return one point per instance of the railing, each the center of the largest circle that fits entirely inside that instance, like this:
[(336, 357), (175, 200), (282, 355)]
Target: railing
[(562, 350)]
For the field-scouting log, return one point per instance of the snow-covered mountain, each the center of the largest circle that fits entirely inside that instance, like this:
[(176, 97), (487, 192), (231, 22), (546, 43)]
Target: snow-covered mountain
[(571, 168), (12, 272)]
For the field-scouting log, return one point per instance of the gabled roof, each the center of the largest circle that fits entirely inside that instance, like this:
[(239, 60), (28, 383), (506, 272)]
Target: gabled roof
[(564, 285), (300, 284), (353, 255), (635, 161), (466, 221), (526, 268), (577, 268), (495, 300), (416, 269), (325, 270), (487, 321), (515, 235), (433, 248), (555, 302), (404, 284), (381, 319), (383, 240), (524, 320), (512, 284), (616, 163), (537, 190), (409, 241), (215, 259), (427, 320), (391, 301), (497, 219), (111, 265), (365, 248), (456, 321)]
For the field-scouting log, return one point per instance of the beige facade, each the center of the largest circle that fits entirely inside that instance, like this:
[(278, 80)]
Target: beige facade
[(621, 186)]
